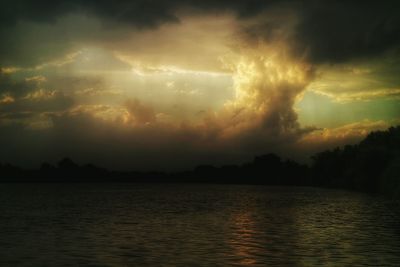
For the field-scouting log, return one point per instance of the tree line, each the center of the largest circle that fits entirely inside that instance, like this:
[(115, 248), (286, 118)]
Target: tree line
[(373, 165)]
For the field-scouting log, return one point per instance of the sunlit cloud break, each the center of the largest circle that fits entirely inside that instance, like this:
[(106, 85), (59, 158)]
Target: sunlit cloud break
[(193, 82)]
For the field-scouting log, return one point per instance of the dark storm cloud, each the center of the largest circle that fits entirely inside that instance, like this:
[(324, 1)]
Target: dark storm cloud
[(327, 31), (142, 13), (336, 31), (330, 31)]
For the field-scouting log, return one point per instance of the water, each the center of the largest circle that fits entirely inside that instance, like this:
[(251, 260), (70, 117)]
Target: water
[(194, 225)]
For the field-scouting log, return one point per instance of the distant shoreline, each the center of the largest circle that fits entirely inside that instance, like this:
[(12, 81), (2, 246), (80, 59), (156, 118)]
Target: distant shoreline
[(371, 166)]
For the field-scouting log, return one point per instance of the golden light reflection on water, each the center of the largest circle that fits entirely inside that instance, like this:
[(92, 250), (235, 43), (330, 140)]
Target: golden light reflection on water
[(243, 238)]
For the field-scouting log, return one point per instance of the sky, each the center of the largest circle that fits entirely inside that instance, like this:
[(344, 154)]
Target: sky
[(168, 85)]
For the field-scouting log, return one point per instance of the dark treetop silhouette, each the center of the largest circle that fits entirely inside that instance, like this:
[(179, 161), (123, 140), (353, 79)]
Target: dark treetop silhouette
[(373, 165)]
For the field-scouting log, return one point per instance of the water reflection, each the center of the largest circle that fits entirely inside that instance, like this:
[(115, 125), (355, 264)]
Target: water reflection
[(194, 225), (242, 239)]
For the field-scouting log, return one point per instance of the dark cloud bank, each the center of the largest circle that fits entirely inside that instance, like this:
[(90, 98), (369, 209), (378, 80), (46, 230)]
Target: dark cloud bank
[(328, 31)]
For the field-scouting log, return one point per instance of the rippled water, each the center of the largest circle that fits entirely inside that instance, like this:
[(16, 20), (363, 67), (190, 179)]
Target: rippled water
[(194, 225)]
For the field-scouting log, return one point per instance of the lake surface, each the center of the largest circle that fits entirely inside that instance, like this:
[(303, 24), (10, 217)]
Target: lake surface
[(194, 225)]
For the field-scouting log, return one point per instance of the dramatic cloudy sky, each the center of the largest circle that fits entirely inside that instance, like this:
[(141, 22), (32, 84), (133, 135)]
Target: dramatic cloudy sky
[(136, 84)]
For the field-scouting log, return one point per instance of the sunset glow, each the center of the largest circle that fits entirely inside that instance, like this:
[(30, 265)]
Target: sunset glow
[(222, 83)]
